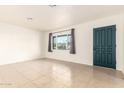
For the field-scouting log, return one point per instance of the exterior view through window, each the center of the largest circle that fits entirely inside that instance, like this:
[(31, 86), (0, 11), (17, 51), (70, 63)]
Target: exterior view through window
[(61, 42)]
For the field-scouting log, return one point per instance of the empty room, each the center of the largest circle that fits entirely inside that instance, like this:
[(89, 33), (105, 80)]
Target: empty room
[(61, 46)]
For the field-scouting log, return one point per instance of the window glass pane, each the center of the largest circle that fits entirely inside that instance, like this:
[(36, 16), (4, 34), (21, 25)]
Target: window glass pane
[(54, 42), (62, 42), (69, 42)]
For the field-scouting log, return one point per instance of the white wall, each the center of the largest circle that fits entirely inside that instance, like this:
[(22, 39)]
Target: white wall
[(84, 41), (19, 44)]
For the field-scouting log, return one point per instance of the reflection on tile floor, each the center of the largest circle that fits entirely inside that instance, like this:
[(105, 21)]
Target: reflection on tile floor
[(46, 73)]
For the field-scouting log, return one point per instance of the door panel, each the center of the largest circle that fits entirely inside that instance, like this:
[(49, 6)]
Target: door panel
[(104, 46)]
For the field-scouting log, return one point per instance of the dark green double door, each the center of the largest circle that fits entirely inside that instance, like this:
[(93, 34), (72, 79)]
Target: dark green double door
[(104, 46)]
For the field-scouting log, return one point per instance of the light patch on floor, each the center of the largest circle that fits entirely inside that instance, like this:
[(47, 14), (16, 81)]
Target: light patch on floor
[(47, 73)]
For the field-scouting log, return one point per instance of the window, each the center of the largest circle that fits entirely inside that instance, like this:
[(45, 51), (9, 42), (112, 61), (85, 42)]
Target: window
[(69, 41), (61, 42), (54, 42)]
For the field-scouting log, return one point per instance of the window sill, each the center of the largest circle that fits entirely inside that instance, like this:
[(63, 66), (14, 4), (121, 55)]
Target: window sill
[(61, 51)]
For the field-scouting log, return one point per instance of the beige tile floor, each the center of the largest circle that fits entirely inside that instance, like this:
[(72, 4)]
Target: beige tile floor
[(46, 73)]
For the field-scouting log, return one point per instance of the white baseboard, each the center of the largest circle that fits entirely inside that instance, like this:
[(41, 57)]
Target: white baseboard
[(76, 63), (21, 61), (66, 61)]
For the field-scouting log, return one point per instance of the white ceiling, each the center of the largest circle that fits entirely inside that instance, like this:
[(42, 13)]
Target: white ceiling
[(46, 18)]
